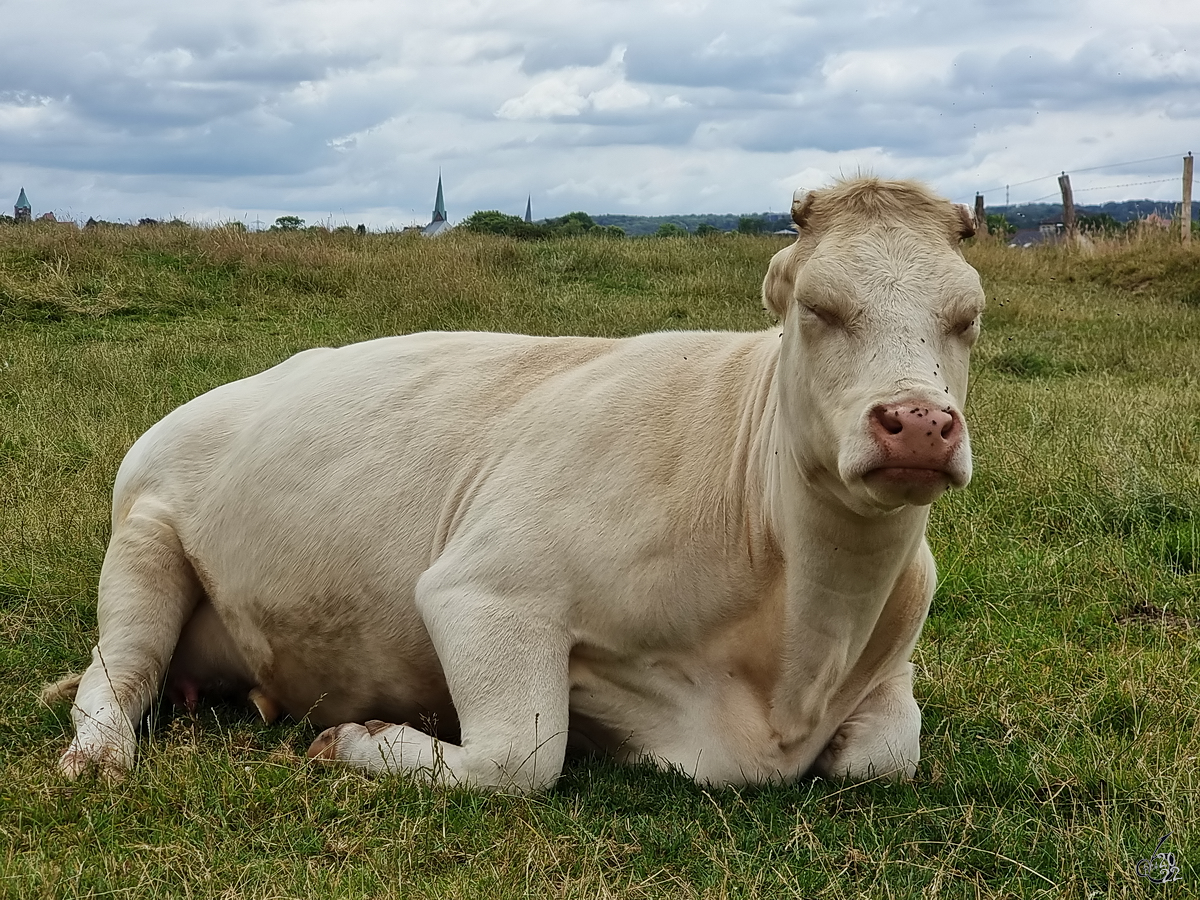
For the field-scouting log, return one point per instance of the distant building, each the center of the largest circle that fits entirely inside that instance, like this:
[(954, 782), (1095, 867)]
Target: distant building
[(22, 212), (438, 224), (529, 210), (1047, 232)]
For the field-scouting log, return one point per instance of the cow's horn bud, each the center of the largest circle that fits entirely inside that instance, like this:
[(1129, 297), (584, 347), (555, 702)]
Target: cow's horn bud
[(801, 206)]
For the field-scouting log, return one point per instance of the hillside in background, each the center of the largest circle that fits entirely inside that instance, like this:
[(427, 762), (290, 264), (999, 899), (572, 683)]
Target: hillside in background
[(635, 226), (1024, 215), (1030, 215)]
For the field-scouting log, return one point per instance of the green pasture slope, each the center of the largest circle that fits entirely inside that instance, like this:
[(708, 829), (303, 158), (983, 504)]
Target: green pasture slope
[(1059, 672)]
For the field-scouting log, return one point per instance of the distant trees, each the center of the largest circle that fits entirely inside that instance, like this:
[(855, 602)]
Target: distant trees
[(581, 223), (753, 225), (492, 221), (997, 224), (571, 223), (1100, 224), (288, 223)]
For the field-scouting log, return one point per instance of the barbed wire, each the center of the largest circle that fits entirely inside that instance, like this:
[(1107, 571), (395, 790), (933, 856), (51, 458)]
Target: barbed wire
[(1103, 187), (1115, 165)]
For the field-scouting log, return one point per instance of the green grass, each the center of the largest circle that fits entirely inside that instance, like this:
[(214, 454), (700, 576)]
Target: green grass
[(1058, 673)]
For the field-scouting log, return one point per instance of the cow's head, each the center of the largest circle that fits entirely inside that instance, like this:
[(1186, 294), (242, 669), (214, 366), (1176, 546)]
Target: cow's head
[(878, 311)]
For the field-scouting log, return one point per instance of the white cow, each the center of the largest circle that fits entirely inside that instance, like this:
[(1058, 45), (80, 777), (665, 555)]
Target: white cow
[(706, 549)]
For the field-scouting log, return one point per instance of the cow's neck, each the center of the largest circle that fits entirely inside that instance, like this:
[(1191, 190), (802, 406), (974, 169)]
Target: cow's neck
[(840, 567)]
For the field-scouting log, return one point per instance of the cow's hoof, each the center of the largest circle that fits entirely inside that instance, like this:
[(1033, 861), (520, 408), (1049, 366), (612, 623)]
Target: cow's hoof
[(324, 748), (108, 764), (267, 708)]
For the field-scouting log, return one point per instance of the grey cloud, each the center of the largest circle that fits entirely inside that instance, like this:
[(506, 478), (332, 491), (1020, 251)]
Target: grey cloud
[(662, 131), (558, 52), (227, 151), (245, 101), (767, 72), (769, 61), (1095, 75), (831, 128)]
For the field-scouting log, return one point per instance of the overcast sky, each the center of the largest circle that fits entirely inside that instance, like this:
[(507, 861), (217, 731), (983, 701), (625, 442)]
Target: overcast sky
[(344, 112)]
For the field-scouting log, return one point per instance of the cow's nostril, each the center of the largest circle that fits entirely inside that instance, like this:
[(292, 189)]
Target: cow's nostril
[(948, 428), (889, 420)]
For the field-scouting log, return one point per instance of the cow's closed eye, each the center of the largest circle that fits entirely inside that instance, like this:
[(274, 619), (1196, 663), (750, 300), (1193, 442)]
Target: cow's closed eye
[(826, 315), (968, 328)]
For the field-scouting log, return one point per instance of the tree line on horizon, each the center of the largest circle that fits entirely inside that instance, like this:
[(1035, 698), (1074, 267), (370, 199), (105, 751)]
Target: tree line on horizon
[(493, 221), (1099, 216), (1106, 218)]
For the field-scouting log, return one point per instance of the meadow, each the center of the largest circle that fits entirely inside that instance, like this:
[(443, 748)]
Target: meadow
[(1059, 671)]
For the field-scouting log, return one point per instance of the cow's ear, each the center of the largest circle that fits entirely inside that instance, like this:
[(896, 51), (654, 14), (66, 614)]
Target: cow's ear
[(802, 202), (966, 222), (780, 283)]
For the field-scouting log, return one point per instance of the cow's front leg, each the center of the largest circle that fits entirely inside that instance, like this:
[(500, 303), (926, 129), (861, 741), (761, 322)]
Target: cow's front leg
[(505, 662), (880, 739)]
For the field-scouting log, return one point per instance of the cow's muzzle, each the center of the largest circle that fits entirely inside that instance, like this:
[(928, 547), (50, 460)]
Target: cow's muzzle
[(919, 449)]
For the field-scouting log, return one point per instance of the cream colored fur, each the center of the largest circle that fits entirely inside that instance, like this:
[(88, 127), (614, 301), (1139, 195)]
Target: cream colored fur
[(662, 546)]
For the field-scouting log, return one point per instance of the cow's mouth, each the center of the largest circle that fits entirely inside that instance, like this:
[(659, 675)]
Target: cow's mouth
[(915, 485), (910, 475)]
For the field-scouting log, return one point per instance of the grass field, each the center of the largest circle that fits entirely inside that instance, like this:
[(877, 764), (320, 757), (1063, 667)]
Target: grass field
[(1059, 672)]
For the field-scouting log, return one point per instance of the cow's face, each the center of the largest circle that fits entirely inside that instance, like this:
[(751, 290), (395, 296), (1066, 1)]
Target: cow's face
[(878, 319)]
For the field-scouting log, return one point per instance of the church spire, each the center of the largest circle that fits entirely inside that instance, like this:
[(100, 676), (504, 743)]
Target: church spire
[(438, 223), (22, 210), (439, 205), (529, 209)]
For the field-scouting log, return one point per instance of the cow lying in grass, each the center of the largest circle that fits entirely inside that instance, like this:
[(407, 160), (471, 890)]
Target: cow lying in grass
[(706, 549)]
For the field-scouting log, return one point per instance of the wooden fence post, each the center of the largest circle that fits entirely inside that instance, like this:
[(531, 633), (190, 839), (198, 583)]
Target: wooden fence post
[(980, 216), (1187, 199), (1068, 201)]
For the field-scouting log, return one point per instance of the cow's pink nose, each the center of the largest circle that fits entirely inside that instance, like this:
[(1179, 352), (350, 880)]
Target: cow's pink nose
[(915, 435)]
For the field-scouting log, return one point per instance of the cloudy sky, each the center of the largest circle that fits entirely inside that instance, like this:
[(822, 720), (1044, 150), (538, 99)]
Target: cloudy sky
[(344, 111)]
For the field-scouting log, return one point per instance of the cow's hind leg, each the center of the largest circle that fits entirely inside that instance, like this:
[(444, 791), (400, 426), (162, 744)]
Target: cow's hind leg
[(147, 591), (506, 667)]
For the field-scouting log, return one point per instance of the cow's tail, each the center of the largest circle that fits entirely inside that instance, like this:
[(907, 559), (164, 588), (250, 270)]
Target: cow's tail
[(63, 689)]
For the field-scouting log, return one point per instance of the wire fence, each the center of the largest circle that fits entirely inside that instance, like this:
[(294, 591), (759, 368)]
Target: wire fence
[(1007, 188)]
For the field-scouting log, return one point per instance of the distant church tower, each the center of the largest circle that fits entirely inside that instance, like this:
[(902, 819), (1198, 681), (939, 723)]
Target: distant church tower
[(529, 209), (438, 224), (22, 212)]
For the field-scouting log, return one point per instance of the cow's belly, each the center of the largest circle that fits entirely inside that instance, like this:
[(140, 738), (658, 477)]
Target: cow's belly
[(327, 641), (376, 667)]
